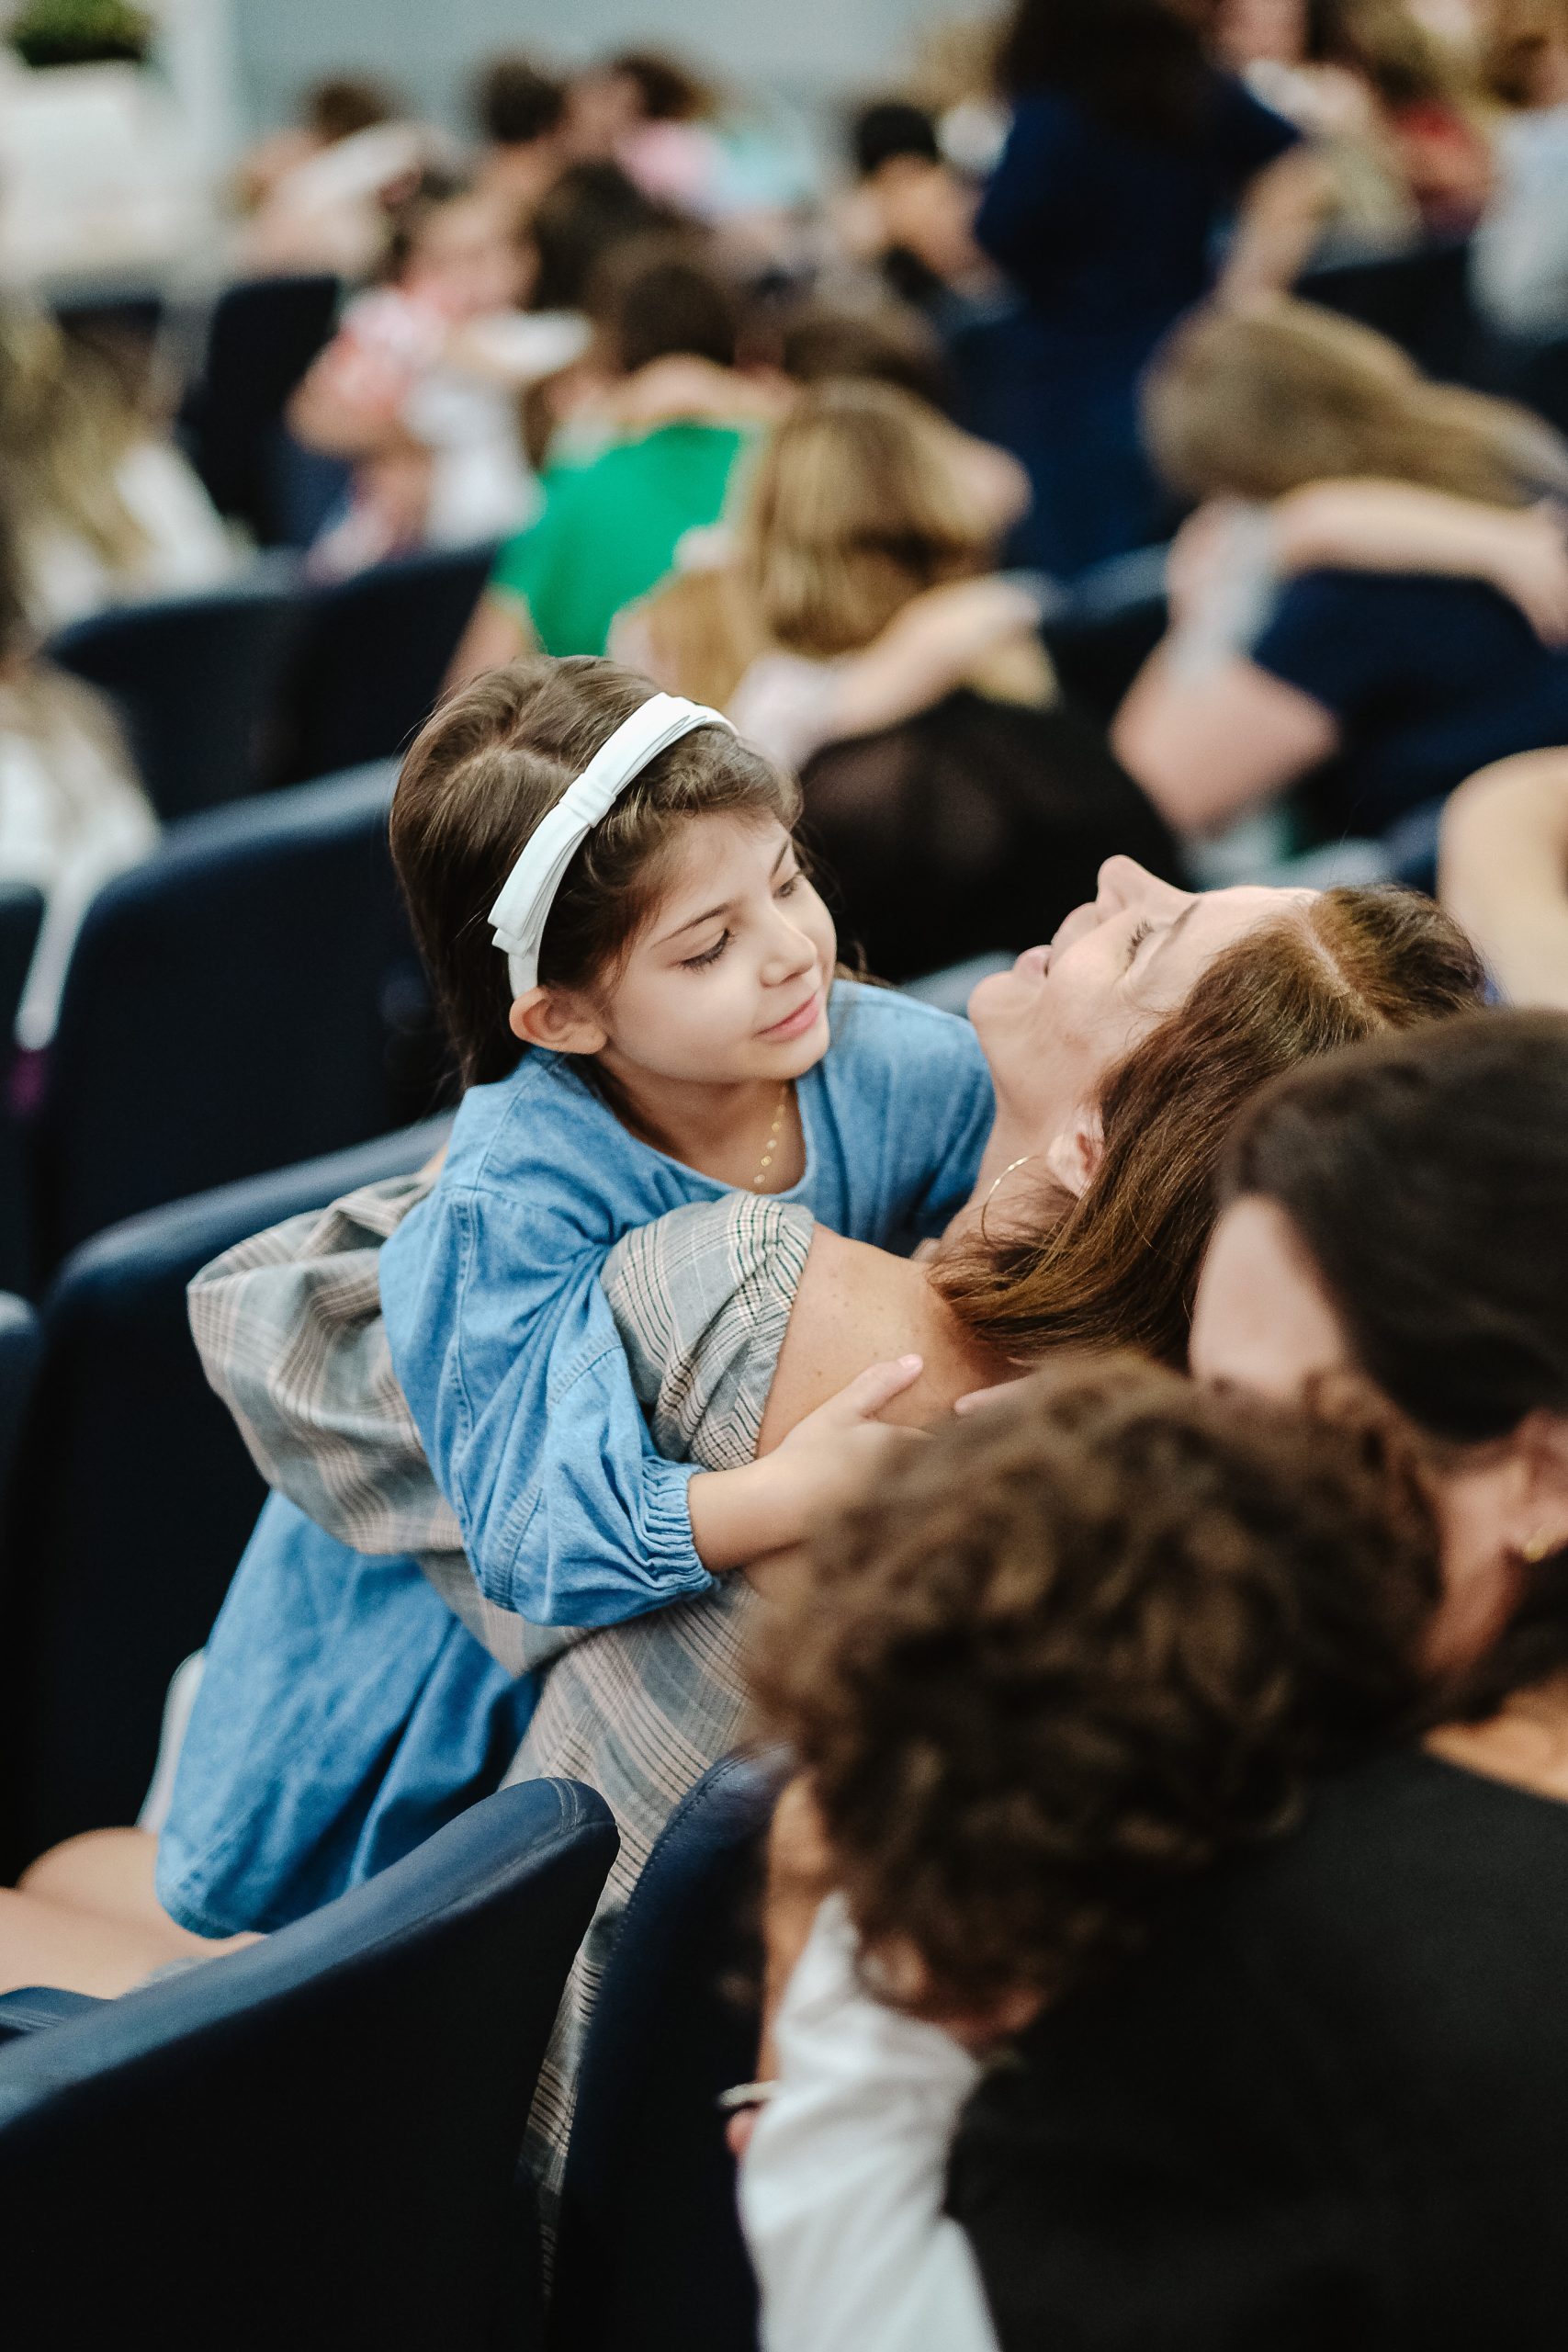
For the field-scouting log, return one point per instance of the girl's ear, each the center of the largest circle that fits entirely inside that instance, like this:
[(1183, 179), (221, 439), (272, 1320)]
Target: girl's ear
[(556, 1020), (1074, 1156)]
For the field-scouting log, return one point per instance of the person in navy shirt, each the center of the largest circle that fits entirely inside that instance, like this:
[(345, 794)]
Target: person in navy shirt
[(1439, 653), (1128, 155)]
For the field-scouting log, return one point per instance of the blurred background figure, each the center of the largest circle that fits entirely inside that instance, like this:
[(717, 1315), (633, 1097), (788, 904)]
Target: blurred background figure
[(1128, 153), (911, 214), (647, 457), (315, 198), (1504, 873), (519, 111), (647, 112), (72, 809), (1404, 684), (863, 637), (420, 388), (1521, 251), (104, 509)]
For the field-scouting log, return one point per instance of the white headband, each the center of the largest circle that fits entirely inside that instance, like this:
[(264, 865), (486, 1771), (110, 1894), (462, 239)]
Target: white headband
[(519, 915)]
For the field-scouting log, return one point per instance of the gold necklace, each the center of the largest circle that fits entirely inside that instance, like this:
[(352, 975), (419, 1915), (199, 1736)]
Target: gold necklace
[(766, 1161)]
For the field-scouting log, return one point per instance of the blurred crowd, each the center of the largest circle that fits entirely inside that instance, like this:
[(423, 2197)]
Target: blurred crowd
[(837, 454)]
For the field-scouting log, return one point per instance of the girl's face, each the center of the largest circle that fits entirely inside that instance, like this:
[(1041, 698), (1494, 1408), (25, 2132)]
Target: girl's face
[(727, 982), (1053, 1025), (1264, 1320), (467, 262)]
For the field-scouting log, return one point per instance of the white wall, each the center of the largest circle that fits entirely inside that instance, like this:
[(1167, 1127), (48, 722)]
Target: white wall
[(806, 50)]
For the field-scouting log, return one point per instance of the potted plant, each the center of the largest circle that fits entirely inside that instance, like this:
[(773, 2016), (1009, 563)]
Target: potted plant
[(79, 32)]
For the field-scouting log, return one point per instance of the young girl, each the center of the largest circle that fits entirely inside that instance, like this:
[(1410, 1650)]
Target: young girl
[(617, 1071), (420, 387), (666, 1026)]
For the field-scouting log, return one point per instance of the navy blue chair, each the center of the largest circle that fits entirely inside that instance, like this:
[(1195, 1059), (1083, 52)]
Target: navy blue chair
[(1420, 300), (133, 1499), (194, 679), (314, 2142), (261, 337), (371, 656), (649, 2251), (1540, 379), (21, 915), (20, 1347), (247, 998)]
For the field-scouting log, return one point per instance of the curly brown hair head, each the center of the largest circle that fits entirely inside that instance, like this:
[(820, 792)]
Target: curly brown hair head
[(1117, 1266), (1083, 1645)]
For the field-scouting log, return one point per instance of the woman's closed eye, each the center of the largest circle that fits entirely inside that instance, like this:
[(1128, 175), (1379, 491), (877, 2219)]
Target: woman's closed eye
[(709, 955), (1136, 937)]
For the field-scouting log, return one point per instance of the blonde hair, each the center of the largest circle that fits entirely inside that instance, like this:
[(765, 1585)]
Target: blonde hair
[(65, 429), (1254, 403), (696, 634), (860, 502)]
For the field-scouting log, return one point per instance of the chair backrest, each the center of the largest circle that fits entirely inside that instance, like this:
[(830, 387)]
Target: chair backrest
[(194, 679), (1540, 381), (370, 657), (314, 2142), (238, 1003), (650, 2250), (20, 1348), (1420, 300), (261, 337), (133, 1499), (21, 917)]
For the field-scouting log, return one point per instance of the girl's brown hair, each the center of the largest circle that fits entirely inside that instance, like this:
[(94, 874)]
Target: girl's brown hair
[(480, 776), (1256, 402), (859, 503), (1119, 1265), (1076, 1650)]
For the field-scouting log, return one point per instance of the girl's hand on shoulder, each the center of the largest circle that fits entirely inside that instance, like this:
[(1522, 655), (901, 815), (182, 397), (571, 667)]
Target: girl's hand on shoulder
[(756, 1516), (834, 1451)]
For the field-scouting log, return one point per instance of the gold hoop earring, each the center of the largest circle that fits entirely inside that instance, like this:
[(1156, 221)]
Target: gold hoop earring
[(991, 1195), (1541, 1546)]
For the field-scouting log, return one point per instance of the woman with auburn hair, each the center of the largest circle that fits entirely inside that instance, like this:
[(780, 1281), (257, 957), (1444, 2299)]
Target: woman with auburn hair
[(1406, 674), (1312, 2093)]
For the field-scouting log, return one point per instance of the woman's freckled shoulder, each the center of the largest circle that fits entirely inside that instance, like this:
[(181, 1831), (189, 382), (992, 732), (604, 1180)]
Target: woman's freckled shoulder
[(857, 1306)]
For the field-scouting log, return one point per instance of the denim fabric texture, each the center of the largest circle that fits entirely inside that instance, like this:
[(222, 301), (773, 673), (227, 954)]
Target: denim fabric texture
[(343, 1716)]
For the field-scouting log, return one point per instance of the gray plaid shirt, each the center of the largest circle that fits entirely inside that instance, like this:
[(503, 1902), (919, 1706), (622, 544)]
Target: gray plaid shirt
[(288, 1327)]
